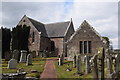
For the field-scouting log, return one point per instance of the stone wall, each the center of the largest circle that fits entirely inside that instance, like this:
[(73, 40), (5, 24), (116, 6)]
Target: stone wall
[(58, 45), (84, 33), (45, 44)]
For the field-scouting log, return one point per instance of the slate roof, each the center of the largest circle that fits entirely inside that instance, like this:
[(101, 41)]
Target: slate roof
[(39, 26), (57, 29)]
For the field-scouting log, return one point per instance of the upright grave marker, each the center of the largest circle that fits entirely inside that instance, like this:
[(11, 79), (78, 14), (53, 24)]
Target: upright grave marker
[(94, 66), (87, 64), (101, 57), (74, 61), (79, 65), (29, 59), (23, 56), (16, 55), (12, 64)]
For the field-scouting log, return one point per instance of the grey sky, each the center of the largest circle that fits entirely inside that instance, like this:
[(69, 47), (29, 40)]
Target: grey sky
[(103, 16)]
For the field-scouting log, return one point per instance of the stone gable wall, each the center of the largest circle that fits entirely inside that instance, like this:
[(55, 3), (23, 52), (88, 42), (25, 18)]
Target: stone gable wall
[(84, 34), (33, 46)]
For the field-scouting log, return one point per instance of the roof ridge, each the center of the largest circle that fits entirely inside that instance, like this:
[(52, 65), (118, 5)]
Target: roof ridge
[(57, 22)]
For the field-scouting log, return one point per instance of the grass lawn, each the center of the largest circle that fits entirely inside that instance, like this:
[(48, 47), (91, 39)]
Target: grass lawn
[(62, 73), (38, 64)]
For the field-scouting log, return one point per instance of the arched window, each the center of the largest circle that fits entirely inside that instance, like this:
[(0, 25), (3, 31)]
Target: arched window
[(33, 37)]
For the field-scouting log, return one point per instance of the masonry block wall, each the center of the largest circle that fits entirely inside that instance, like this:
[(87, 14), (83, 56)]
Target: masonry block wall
[(84, 41)]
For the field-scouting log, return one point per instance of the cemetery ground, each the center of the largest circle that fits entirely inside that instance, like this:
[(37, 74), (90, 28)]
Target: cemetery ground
[(39, 64), (62, 73)]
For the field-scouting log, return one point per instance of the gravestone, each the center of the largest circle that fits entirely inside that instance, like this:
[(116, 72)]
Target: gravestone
[(79, 65), (74, 61), (87, 64), (117, 63), (62, 59), (29, 59), (23, 56), (16, 55), (59, 61), (12, 64), (109, 64), (94, 66), (7, 55), (101, 57)]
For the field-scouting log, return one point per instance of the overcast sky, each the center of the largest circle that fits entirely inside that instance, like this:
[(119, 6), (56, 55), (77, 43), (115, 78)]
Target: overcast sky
[(103, 16)]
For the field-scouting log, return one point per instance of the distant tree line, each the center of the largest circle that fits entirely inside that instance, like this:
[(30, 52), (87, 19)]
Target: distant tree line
[(15, 39)]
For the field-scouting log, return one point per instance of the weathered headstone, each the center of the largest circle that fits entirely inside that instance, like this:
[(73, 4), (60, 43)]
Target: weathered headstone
[(79, 65), (94, 66), (29, 59), (117, 63), (12, 64), (23, 56), (109, 64), (7, 55), (101, 57), (16, 55), (74, 61), (87, 64)]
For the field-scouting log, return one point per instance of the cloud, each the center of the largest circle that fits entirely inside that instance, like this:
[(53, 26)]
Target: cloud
[(60, 0), (100, 15)]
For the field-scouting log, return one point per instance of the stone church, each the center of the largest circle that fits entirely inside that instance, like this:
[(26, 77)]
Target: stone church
[(61, 38)]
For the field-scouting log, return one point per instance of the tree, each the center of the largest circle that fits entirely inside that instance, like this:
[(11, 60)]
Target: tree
[(106, 41), (6, 39), (20, 35)]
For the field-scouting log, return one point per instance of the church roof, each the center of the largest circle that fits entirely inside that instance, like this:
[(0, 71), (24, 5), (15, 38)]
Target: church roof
[(57, 29), (39, 26)]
